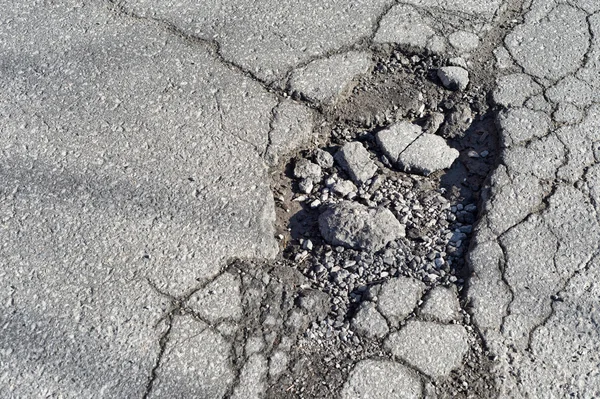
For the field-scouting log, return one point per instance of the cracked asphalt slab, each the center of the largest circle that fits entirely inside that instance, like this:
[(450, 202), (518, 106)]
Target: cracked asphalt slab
[(141, 147)]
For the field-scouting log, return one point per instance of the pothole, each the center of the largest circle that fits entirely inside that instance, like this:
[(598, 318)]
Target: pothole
[(437, 211)]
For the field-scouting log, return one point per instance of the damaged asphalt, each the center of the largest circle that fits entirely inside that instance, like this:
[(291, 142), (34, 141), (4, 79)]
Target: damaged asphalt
[(320, 199)]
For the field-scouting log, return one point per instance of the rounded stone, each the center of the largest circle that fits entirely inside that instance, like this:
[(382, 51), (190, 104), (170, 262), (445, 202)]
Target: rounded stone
[(453, 77), (357, 226)]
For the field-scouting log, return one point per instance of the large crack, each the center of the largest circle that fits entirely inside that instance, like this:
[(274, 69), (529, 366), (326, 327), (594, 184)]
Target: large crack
[(213, 46), (557, 297)]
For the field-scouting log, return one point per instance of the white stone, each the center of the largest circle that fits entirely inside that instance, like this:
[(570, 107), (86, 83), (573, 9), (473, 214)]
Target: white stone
[(454, 77)]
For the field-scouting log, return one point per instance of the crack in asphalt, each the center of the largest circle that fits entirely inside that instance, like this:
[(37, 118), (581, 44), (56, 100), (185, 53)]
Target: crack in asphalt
[(162, 344), (272, 120), (365, 43), (558, 298)]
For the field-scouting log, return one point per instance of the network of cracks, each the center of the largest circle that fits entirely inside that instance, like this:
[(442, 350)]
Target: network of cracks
[(356, 300)]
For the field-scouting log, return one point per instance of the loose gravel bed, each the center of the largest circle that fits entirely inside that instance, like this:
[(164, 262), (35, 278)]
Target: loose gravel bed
[(437, 212)]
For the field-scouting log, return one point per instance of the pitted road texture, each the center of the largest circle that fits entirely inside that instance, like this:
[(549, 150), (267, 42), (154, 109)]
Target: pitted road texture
[(536, 251), (140, 143)]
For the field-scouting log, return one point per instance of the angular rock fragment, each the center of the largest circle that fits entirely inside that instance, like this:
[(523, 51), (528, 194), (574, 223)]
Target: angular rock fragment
[(416, 152), (306, 186), (355, 160), (324, 159), (305, 169), (457, 122), (436, 119), (428, 154), (382, 379), (396, 138), (354, 225), (453, 77), (344, 187), (434, 349)]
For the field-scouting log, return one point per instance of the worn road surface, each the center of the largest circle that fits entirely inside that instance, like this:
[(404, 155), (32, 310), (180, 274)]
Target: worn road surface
[(143, 145)]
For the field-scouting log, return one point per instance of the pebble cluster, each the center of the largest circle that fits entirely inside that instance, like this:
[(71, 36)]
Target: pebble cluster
[(437, 234)]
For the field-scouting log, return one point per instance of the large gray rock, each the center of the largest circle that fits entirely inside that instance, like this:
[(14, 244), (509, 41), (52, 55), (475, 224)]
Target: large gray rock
[(353, 225), (305, 169), (432, 348), (394, 140), (427, 154), (324, 159), (454, 77), (382, 379), (355, 159), (416, 152)]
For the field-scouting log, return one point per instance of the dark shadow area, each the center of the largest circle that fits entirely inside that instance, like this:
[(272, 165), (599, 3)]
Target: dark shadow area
[(478, 147)]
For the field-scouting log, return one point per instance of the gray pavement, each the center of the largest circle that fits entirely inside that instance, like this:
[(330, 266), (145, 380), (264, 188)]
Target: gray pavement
[(151, 235)]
